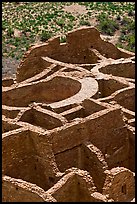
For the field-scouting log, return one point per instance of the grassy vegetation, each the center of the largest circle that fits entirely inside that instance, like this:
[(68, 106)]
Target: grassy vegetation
[(38, 21), (106, 25)]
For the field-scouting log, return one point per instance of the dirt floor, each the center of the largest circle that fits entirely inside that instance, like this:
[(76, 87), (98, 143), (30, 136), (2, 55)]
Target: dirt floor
[(76, 9)]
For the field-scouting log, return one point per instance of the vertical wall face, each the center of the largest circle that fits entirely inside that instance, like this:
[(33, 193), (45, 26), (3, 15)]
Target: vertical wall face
[(127, 99), (83, 193), (103, 131), (75, 189), (10, 113), (20, 160), (93, 161), (67, 192), (120, 184), (91, 106), (41, 119), (91, 128), (120, 69), (45, 91), (69, 158), (131, 149), (103, 137), (7, 82), (12, 192), (108, 87), (68, 122), (7, 127), (36, 62)]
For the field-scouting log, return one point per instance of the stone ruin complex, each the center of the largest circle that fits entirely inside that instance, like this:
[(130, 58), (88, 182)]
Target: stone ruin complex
[(68, 122)]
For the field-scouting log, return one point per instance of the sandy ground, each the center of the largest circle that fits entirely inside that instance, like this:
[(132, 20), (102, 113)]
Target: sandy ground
[(75, 9), (9, 66)]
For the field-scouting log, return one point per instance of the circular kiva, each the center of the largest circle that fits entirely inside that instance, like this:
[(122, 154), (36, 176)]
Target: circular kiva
[(46, 91), (89, 87)]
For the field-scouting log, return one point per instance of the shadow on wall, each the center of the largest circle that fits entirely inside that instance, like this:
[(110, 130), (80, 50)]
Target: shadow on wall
[(22, 159), (46, 92), (122, 70), (108, 87)]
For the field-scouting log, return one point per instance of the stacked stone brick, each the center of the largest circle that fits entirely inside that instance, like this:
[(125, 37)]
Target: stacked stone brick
[(68, 123)]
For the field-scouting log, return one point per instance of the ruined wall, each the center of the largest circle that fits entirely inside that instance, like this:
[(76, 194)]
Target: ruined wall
[(119, 184), (68, 123), (72, 52)]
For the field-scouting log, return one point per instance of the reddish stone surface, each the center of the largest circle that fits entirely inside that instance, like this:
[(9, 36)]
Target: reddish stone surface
[(68, 123)]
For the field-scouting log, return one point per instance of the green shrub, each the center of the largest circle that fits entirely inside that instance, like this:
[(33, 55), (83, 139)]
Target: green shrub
[(84, 22), (131, 13), (37, 16), (108, 26), (118, 18), (131, 41), (62, 39), (125, 21), (123, 37), (60, 22), (10, 32), (45, 35)]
